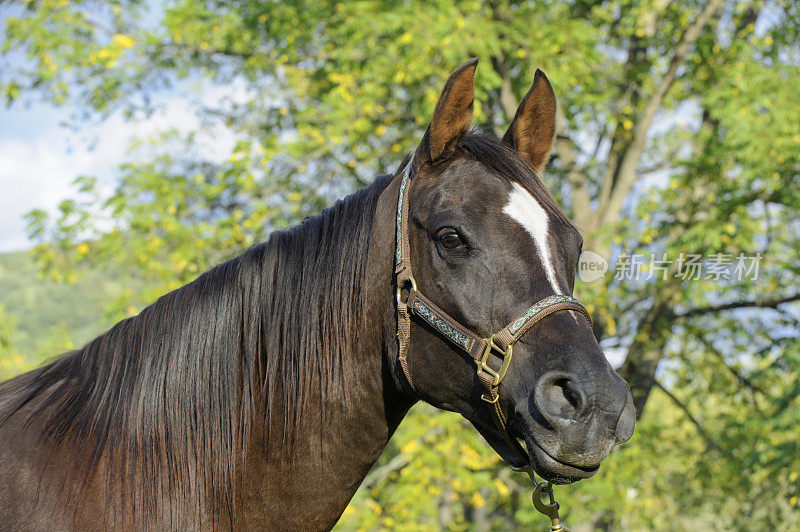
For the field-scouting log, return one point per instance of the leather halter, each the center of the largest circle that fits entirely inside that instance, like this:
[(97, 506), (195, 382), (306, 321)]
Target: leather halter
[(492, 355)]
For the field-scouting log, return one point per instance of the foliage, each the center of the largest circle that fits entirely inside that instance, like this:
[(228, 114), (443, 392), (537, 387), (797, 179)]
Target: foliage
[(45, 309), (11, 362), (679, 136)]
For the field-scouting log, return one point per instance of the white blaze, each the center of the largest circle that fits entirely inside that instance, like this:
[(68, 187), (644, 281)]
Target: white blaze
[(524, 208)]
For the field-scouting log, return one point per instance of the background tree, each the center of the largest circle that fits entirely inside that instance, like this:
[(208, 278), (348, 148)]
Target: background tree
[(678, 135)]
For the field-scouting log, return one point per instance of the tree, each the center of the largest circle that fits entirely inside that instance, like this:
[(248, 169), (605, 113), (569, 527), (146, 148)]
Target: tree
[(678, 137)]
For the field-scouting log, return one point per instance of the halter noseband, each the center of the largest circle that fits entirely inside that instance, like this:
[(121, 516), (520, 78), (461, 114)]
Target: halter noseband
[(492, 355)]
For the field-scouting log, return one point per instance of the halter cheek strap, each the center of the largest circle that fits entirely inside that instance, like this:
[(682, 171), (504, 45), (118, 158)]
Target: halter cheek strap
[(492, 355)]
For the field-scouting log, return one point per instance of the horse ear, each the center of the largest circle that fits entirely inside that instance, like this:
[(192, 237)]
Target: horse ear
[(533, 130), (452, 116)]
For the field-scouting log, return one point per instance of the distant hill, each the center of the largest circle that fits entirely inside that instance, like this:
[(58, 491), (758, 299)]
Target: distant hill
[(49, 314)]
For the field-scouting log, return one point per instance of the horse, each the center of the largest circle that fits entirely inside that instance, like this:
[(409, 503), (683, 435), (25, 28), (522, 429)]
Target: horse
[(260, 394)]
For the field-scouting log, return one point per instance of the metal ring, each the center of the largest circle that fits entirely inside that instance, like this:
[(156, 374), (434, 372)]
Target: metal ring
[(400, 286)]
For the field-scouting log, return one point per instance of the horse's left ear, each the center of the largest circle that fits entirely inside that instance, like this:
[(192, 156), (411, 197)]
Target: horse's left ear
[(533, 130), (452, 116)]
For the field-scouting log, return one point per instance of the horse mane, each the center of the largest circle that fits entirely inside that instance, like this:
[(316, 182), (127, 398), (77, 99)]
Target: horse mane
[(165, 399)]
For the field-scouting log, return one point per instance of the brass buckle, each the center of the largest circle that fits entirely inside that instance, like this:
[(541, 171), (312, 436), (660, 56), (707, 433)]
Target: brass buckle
[(505, 354), (402, 285)]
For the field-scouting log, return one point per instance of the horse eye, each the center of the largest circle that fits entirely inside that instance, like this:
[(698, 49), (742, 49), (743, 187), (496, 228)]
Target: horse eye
[(450, 239)]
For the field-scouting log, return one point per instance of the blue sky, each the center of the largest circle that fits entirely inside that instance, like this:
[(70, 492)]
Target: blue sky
[(40, 157)]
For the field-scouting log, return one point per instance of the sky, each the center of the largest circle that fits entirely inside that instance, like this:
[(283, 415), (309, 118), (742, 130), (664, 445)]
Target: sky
[(40, 157)]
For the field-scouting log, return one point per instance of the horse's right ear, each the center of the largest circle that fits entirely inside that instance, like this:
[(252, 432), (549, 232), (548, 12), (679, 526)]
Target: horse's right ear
[(452, 116)]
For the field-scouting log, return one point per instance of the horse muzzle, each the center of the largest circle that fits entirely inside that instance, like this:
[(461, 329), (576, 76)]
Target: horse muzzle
[(573, 425)]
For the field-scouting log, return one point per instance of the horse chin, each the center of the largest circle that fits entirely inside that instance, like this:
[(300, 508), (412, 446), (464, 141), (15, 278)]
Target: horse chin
[(554, 470), (545, 465)]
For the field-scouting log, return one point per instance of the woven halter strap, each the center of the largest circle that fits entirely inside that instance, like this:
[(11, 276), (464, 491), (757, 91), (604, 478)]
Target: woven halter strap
[(492, 355)]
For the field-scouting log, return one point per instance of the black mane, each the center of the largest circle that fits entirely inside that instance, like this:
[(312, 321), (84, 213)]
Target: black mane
[(168, 395)]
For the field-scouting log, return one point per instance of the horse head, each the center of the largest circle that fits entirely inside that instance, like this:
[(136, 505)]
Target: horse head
[(486, 242)]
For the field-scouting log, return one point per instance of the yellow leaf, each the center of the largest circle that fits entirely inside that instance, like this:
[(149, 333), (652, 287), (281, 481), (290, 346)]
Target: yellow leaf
[(123, 41), (501, 487), (477, 500), (410, 447)]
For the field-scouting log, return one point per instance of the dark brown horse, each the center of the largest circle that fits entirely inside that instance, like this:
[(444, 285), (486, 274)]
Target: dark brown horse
[(260, 394)]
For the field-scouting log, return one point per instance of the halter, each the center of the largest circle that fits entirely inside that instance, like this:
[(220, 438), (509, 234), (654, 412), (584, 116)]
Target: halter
[(492, 355)]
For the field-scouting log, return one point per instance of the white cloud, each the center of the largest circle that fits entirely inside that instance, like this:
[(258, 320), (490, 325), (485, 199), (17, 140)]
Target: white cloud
[(38, 164)]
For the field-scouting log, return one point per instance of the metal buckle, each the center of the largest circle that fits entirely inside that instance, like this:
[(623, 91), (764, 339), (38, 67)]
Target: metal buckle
[(402, 285), (550, 509), (490, 401), (505, 354)]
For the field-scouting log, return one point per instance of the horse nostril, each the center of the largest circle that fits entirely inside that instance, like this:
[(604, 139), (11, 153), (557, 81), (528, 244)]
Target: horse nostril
[(559, 398), (570, 392)]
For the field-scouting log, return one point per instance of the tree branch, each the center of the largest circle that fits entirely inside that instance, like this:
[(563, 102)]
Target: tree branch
[(764, 303), (647, 348), (508, 102), (626, 173), (742, 379), (710, 442), (379, 474), (576, 176)]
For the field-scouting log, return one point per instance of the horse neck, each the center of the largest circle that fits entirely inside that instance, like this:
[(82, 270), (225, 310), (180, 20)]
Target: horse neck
[(328, 458)]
